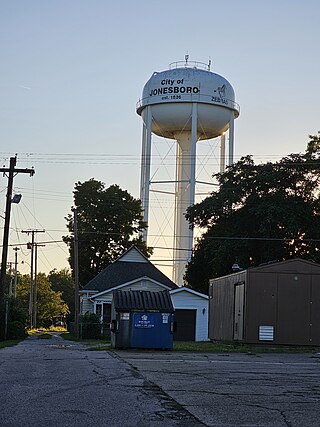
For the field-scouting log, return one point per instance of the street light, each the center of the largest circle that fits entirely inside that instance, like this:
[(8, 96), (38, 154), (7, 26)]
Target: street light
[(16, 198)]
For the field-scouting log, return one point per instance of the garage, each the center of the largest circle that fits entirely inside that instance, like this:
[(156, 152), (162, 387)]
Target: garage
[(191, 315), (185, 325)]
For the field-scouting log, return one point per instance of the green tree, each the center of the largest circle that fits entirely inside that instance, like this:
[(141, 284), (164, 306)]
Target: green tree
[(313, 147), (109, 222), (260, 213), (49, 302), (61, 281)]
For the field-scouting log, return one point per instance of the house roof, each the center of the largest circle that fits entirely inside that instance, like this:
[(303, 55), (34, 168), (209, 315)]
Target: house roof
[(142, 300), (190, 291), (127, 269)]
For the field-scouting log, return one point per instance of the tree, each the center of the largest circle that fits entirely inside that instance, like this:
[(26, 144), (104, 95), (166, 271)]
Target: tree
[(61, 281), (259, 214), (109, 222), (49, 302)]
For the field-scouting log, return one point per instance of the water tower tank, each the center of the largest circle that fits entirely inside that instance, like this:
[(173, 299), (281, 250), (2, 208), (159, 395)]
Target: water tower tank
[(187, 103), (171, 93)]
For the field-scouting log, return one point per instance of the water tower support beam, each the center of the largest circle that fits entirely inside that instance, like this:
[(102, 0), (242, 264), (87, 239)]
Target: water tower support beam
[(145, 166), (223, 153), (185, 197), (231, 140), (194, 138)]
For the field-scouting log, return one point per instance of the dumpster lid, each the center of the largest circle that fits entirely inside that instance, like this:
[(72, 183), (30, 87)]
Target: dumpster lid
[(142, 300)]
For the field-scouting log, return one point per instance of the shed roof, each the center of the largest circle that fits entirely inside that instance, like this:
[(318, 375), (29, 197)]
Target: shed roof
[(289, 265), (293, 265), (142, 300)]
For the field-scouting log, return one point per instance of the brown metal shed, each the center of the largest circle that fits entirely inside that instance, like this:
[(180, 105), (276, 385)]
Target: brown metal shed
[(277, 303)]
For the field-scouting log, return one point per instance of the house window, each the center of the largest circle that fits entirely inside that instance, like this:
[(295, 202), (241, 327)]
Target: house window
[(103, 310), (99, 309), (106, 316)]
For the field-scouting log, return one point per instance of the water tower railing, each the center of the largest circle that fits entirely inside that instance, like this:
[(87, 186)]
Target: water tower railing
[(189, 64), (205, 99)]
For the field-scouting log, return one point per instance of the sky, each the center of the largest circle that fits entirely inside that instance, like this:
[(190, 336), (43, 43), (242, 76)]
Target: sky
[(72, 71)]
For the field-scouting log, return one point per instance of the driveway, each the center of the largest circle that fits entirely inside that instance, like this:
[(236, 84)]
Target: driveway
[(60, 383)]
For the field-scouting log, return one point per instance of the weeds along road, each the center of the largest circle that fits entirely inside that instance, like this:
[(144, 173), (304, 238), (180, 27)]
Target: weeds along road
[(60, 383)]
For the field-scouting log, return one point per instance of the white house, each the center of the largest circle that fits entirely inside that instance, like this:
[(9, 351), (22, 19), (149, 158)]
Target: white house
[(133, 271)]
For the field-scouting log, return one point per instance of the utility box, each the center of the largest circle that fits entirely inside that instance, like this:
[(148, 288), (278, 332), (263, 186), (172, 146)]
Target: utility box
[(142, 319)]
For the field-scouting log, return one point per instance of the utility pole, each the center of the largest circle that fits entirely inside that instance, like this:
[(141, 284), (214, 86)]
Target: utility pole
[(35, 301), (11, 171), (76, 271), (11, 279), (31, 289), (16, 249)]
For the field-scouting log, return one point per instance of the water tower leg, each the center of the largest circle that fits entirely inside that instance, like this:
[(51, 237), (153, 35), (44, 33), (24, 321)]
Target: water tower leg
[(185, 197), (192, 189), (145, 166), (222, 153), (231, 140)]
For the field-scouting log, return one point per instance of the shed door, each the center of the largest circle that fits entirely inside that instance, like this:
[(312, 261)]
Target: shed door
[(185, 325), (238, 312)]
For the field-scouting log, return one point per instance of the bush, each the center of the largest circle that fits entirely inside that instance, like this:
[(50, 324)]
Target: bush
[(16, 330), (90, 326), (16, 316)]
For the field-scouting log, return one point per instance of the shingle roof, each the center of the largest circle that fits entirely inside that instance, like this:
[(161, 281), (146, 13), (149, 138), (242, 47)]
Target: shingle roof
[(121, 272), (142, 300)]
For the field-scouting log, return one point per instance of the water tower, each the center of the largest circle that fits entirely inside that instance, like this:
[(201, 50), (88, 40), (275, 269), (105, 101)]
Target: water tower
[(186, 103)]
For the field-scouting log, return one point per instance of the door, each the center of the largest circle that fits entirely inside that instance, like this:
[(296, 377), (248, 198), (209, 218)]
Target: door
[(238, 312), (185, 321)]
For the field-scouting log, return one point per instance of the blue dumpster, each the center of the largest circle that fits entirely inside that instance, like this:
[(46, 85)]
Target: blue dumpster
[(142, 319)]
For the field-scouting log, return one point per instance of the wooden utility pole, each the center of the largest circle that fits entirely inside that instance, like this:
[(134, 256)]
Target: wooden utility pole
[(35, 297), (11, 279), (12, 172), (16, 249), (31, 290), (76, 271)]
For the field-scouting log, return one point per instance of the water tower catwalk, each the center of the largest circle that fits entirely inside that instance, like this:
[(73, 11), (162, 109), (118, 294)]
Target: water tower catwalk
[(187, 103)]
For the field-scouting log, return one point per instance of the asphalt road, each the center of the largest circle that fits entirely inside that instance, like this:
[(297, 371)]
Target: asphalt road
[(237, 389), (60, 383)]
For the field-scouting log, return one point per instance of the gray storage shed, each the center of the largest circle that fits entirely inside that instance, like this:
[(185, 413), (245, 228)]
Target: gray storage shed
[(277, 303)]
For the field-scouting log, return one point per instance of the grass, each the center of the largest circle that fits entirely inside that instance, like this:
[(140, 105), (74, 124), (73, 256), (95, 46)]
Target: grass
[(93, 343), (221, 347), (203, 346), (46, 330), (44, 333), (208, 346)]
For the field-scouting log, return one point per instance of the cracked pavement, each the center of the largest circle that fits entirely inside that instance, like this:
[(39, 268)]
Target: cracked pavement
[(237, 389), (59, 383)]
